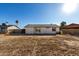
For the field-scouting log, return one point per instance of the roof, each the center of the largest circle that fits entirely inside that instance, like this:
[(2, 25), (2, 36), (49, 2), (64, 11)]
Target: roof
[(40, 25), (10, 26), (13, 25), (72, 26)]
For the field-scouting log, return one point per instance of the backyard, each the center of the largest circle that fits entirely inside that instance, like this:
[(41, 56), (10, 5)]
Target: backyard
[(36, 45)]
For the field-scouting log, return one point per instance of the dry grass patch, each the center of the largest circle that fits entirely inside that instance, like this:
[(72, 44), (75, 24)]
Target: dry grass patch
[(39, 45)]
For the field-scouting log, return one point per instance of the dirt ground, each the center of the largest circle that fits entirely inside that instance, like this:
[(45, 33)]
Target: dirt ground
[(59, 45)]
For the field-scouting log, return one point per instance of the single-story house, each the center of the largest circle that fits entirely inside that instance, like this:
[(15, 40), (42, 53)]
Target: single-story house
[(7, 29), (71, 29), (41, 29), (3, 29), (13, 29)]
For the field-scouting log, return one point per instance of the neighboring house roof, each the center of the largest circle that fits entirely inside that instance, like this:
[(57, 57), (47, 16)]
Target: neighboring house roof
[(71, 26), (40, 25), (9, 26), (13, 25)]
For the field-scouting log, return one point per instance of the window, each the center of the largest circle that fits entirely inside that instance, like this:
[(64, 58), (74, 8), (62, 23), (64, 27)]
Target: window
[(37, 29), (47, 27), (53, 29)]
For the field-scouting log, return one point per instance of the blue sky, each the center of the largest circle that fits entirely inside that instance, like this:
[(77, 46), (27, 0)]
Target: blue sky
[(30, 13)]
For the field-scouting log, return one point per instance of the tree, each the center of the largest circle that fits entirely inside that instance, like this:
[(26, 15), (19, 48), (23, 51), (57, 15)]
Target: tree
[(63, 23), (17, 22), (3, 24)]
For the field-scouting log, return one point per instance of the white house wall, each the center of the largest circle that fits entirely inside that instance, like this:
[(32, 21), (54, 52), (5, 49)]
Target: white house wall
[(47, 31), (29, 30), (57, 29), (42, 31)]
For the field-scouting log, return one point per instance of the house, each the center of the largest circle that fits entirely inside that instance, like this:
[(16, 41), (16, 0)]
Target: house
[(72, 29), (13, 29), (41, 29), (7, 29), (3, 29), (71, 26)]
